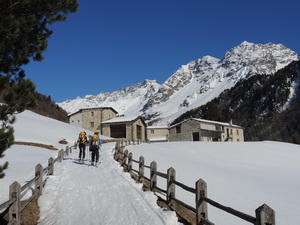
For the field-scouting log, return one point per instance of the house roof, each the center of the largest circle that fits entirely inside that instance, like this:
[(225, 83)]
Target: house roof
[(157, 127), (209, 121), (123, 119), (93, 108)]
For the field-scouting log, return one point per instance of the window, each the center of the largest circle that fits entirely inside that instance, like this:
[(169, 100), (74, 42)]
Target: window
[(152, 131), (178, 129), (237, 132), (92, 124), (92, 113), (230, 131)]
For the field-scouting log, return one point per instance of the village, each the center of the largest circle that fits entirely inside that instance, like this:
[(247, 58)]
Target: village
[(107, 122)]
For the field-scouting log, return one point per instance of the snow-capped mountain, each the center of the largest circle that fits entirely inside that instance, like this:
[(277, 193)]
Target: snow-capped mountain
[(192, 85)]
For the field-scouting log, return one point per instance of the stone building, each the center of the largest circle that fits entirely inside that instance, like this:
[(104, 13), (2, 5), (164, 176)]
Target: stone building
[(205, 130), (91, 118), (157, 133), (129, 128)]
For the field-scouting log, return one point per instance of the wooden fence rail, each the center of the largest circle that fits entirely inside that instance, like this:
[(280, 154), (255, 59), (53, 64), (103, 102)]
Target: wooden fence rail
[(13, 206), (264, 215)]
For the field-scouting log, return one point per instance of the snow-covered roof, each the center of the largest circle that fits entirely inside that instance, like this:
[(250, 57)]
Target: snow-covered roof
[(121, 119), (217, 122), (157, 127), (209, 121)]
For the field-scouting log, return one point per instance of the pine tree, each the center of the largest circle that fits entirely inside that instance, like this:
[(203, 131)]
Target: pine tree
[(211, 111), (23, 36)]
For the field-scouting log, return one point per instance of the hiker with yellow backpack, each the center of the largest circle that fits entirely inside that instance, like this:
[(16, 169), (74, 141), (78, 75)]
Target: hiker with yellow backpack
[(95, 145), (82, 141)]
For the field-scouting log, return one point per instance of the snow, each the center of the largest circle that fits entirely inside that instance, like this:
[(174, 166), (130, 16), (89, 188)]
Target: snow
[(103, 195), (121, 119), (242, 176), (78, 193)]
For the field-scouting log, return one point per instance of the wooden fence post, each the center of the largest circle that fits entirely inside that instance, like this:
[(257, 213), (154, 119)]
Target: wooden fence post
[(201, 206), (15, 210), (265, 215), (125, 157), (39, 179), (129, 162), (116, 153), (141, 167), (50, 166), (153, 176), (121, 155), (171, 176), (75, 146), (60, 155), (67, 151)]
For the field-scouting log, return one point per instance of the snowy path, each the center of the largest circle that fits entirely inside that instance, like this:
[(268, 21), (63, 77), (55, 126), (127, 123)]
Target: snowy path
[(82, 194)]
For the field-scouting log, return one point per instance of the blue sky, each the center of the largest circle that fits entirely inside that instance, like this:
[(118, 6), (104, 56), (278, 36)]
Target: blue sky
[(111, 44)]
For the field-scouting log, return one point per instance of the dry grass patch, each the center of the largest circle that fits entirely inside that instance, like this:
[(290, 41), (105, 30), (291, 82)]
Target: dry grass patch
[(29, 216), (63, 142), (50, 147)]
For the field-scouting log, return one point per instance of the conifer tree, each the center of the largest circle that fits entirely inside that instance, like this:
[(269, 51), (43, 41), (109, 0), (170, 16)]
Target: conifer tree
[(23, 36), (211, 111)]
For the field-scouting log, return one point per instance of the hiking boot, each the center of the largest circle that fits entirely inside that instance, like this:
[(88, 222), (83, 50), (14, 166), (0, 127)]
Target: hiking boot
[(92, 163)]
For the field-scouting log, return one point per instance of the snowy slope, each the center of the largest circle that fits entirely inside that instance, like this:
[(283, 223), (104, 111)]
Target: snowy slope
[(192, 85), (242, 175), (77, 193), (129, 100), (239, 175)]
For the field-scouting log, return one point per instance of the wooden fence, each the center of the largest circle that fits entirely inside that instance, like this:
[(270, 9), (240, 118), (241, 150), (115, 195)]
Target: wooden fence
[(13, 206), (264, 215)]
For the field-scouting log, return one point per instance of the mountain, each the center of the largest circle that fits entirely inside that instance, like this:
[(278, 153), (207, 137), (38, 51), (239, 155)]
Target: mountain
[(192, 85), (268, 106)]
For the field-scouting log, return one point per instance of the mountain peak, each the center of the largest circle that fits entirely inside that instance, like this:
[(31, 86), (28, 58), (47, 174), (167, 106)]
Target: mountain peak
[(192, 85)]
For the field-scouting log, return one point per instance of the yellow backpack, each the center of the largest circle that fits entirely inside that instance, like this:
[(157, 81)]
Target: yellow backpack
[(82, 138), (95, 142)]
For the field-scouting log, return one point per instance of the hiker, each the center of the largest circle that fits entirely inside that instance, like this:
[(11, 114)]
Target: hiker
[(82, 140), (95, 145)]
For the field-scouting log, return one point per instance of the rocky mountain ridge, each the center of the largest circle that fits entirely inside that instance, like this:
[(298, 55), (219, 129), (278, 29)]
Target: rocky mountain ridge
[(268, 107), (192, 85)]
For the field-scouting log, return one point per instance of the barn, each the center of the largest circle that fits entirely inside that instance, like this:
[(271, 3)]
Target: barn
[(131, 128)]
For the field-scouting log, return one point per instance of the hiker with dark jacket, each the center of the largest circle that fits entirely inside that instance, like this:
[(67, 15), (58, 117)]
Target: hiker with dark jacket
[(82, 141), (95, 145)]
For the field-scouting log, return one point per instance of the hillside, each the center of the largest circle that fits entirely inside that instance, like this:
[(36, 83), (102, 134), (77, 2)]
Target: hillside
[(44, 106), (268, 106)]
